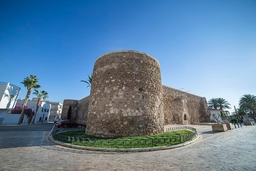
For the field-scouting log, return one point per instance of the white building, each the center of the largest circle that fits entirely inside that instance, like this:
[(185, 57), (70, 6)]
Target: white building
[(9, 94), (215, 115), (56, 110), (43, 111)]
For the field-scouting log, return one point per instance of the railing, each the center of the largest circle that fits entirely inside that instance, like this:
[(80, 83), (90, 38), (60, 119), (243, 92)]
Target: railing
[(59, 130), (181, 128), (125, 143)]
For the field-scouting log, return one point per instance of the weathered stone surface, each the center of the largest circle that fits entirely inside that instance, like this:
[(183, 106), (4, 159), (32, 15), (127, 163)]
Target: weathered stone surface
[(66, 104), (79, 110), (82, 110), (126, 96), (183, 108)]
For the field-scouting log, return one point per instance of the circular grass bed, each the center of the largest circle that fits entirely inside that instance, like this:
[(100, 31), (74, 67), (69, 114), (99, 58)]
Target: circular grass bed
[(165, 139)]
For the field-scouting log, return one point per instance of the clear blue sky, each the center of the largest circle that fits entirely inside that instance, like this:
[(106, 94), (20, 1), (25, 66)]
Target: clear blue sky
[(207, 48)]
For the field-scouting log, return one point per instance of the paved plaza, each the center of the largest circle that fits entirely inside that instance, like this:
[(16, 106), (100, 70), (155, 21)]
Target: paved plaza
[(26, 148)]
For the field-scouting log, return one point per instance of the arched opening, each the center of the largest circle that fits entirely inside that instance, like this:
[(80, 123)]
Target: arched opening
[(185, 117)]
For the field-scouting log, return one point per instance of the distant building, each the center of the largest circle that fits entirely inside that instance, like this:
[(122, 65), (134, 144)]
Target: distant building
[(56, 110), (43, 112)]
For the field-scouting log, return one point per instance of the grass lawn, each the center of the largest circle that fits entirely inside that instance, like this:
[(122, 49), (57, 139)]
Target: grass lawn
[(165, 139)]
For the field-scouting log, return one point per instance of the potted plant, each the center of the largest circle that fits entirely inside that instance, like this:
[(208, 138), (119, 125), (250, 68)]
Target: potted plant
[(219, 104)]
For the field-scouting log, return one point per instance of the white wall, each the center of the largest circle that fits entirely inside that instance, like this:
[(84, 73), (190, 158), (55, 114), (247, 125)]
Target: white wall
[(13, 119), (43, 113), (9, 94), (217, 115)]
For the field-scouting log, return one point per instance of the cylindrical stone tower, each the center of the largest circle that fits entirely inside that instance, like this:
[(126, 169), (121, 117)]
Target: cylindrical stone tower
[(126, 96)]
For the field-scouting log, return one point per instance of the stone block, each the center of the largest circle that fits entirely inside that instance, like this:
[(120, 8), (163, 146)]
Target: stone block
[(230, 126), (219, 127)]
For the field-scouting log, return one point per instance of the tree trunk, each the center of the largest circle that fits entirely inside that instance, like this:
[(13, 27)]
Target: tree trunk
[(37, 107), (23, 106)]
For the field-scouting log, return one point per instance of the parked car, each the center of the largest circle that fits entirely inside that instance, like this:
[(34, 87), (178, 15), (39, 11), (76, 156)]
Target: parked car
[(66, 123)]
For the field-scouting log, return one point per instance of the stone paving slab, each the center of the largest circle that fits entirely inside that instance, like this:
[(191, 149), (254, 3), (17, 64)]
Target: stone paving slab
[(232, 150)]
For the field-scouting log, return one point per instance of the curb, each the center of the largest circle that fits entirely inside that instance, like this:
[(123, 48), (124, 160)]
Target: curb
[(50, 138)]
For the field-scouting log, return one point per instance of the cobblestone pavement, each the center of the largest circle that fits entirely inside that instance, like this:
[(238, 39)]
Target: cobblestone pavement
[(232, 150)]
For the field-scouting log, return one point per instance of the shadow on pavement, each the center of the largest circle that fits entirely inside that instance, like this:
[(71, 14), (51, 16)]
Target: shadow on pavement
[(24, 136), (209, 132)]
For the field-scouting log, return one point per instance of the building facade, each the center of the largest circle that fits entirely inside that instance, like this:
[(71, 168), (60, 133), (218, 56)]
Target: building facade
[(43, 112), (56, 109)]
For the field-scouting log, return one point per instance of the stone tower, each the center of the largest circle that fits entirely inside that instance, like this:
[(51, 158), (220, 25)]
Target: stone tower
[(126, 96)]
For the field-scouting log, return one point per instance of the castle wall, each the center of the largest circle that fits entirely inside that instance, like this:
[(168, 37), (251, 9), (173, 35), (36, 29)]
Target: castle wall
[(127, 99), (126, 96), (177, 103), (82, 110), (79, 110), (66, 104)]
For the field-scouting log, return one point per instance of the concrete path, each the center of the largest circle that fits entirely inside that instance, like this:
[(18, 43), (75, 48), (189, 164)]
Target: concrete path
[(28, 150)]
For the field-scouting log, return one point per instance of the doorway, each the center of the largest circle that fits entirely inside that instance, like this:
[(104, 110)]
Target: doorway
[(185, 119)]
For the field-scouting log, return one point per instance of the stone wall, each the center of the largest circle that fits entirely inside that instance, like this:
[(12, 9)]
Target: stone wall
[(183, 108), (79, 110), (66, 104), (125, 96), (82, 110)]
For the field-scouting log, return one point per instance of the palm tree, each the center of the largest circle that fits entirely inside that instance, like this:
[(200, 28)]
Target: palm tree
[(223, 104), (218, 103), (247, 105), (41, 95), (29, 82), (88, 81), (213, 103)]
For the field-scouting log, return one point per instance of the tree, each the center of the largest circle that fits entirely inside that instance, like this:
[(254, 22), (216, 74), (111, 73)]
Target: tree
[(223, 104), (213, 103), (69, 113), (88, 81), (41, 95), (30, 83), (247, 105), (218, 103)]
